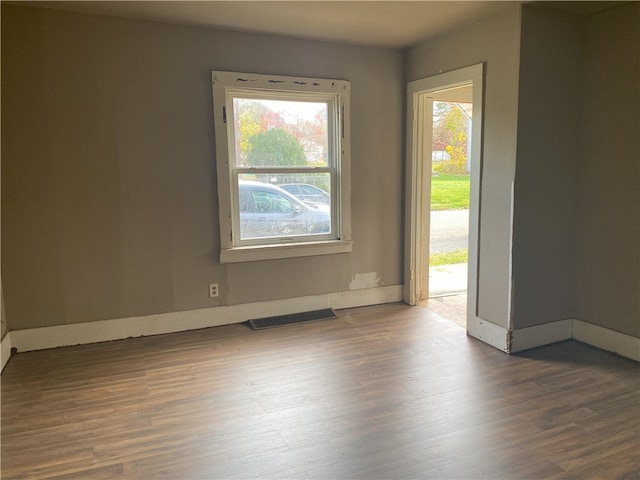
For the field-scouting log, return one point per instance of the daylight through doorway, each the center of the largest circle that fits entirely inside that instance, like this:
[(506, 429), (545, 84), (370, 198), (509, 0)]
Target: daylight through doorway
[(462, 86), (449, 204)]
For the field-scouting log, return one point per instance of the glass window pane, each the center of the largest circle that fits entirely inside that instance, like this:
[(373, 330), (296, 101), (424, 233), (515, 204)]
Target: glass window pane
[(280, 133), (268, 209)]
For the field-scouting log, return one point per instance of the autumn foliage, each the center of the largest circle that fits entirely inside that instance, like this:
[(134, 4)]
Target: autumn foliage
[(450, 135), (264, 138)]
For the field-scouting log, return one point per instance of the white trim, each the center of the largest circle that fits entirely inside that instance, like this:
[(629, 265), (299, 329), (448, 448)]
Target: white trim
[(607, 339), (116, 329), (415, 180), (336, 93), (489, 333), (5, 350), (552, 332), (510, 277), (270, 252), (278, 82), (539, 335), (411, 290)]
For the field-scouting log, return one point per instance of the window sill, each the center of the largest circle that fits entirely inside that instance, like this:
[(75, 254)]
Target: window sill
[(272, 252)]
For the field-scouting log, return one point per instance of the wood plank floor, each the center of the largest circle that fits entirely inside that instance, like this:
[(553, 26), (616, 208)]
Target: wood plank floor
[(384, 392), (452, 307)]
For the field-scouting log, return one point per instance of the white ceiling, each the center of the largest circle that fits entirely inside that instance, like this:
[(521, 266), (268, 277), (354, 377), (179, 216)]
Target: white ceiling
[(395, 24)]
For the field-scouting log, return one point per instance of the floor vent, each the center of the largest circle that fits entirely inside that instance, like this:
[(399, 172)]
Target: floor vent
[(268, 322)]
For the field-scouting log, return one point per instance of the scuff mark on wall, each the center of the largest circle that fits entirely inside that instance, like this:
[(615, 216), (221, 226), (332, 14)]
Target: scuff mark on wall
[(364, 280)]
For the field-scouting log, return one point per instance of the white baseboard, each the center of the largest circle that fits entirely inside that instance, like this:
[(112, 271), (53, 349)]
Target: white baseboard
[(116, 329), (539, 335), (488, 332), (581, 331), (5, 350), (607, 339), (552, 332)]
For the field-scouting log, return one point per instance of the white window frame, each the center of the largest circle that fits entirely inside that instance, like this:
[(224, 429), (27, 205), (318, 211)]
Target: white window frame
[(226, 86)]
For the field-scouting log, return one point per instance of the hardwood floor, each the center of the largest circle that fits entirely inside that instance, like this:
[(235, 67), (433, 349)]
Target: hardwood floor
[(381, 392), (452, 307)]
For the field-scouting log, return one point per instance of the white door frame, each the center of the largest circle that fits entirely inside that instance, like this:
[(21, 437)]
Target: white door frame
[(418, 179)]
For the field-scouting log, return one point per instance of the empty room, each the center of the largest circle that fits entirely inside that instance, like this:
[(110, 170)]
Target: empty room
[(215, 249)]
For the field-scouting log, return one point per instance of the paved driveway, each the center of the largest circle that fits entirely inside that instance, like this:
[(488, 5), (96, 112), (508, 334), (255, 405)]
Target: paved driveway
[(449, 230)]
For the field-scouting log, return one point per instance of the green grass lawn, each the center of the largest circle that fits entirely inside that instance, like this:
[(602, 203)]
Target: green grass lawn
[(449, 258), (450, 192)]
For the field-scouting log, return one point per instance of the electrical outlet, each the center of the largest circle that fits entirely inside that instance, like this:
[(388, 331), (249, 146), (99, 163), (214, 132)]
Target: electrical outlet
[(213, 290)]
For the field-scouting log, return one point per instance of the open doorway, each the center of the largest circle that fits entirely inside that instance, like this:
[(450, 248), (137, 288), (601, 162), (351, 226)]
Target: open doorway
[(447, 259), (461, 87)]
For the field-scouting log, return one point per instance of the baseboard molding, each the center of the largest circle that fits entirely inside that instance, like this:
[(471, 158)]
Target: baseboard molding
[(552, 332), (117, 329), (607, 339), (538, 335), (488, 332), (5, 350)]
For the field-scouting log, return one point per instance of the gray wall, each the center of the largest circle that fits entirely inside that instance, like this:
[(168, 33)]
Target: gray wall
[(576, 247), (548, 159), (561, 123), (608, 237), (494, 41), (109, 199)]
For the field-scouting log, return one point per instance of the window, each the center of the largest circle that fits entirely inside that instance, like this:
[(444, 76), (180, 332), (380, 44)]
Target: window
[(282, 152)]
